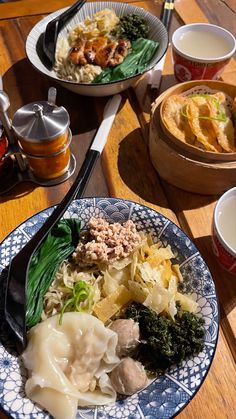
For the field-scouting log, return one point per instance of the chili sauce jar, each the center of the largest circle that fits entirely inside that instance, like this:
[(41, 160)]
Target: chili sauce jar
[(43, 134)]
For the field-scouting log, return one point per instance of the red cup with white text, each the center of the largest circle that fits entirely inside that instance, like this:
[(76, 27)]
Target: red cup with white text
[(200, 51), (224, 231)]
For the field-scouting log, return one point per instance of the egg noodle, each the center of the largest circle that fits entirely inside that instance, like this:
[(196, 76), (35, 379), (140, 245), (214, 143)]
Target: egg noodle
[(100, 24)]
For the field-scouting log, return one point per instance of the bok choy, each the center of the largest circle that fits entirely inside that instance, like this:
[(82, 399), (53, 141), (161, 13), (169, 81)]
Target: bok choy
[(58, 246)]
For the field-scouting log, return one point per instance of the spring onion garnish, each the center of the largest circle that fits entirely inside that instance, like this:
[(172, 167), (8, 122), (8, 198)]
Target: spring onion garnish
[(80, 298), (220, 115)]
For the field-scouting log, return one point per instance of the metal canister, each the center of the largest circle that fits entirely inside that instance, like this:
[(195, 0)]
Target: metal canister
[(43, 134)]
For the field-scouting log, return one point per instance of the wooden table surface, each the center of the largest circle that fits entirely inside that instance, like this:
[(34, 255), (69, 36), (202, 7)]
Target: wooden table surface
[(125, 169)]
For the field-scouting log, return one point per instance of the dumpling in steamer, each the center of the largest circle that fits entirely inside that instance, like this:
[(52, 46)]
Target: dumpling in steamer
[(176, 123), (198, 111), (68, 364), (224, 129)]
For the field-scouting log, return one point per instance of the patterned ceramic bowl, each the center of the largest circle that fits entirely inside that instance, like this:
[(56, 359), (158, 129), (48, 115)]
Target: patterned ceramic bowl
[(166, 395), (157, 33), (224, 231), (201, 51)]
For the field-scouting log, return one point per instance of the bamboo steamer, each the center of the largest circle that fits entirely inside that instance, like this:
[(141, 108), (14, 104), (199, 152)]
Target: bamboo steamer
[(184, 165)]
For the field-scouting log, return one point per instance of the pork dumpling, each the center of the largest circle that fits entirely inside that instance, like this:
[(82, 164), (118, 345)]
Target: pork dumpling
[(129, 377), (68, 364), (128, 335)]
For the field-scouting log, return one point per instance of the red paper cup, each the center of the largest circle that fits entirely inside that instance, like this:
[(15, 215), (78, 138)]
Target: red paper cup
[(224, 220), (194, 59)]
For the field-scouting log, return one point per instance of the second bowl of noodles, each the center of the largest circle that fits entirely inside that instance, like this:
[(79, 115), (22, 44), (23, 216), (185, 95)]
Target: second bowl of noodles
[(104, 48)]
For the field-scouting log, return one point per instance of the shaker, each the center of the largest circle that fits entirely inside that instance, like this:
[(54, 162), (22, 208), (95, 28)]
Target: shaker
[(43, 134)]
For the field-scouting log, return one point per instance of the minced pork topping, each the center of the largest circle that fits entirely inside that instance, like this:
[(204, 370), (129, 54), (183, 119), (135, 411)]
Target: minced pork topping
[(104, 242)]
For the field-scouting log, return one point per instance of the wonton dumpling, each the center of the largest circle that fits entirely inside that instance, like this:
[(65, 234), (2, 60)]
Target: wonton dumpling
[(66, 362)]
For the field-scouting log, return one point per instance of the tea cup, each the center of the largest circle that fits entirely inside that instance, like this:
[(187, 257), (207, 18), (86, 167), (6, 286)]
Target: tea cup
[(201, 51), (224, 231)]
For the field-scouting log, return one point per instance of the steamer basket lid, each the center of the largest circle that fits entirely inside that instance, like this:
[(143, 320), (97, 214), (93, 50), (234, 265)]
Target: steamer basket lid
[(40, 121)]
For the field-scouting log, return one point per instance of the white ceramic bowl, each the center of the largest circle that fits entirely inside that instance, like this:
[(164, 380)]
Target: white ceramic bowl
[(157, 33)]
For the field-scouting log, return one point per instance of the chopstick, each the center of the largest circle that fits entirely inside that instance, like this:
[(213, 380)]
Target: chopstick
[(156, 74), (166, 13)]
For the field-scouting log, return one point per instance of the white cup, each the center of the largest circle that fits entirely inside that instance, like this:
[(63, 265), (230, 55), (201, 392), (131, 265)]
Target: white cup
[(224, 230), (201, 51)]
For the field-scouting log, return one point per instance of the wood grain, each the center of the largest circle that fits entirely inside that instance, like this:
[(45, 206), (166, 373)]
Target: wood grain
[(31, 8)]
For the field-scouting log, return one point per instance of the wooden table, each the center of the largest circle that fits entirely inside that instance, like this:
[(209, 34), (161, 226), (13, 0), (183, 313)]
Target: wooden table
[(125, 169)]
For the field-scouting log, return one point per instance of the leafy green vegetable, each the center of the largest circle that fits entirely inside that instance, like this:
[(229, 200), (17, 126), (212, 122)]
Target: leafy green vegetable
[(163, 341), (81, 292), (135, 62), (59, 244), (131, 27)]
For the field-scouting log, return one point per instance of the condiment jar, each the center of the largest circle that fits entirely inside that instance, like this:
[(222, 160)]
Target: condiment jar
[(43, 134), (6, 163)]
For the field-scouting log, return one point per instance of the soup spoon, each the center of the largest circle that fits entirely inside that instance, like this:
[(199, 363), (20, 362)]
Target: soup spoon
[(15, 300), (54, 27)]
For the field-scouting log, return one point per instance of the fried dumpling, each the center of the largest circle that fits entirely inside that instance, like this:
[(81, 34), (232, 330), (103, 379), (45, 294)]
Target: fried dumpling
[(222, 124), (174, 119), (198, 112)]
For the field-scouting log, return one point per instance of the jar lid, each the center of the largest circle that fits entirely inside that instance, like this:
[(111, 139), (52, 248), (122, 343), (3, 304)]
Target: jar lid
[(40, 121)]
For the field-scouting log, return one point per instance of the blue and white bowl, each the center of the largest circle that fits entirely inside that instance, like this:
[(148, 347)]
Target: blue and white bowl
[(167, 395), (157, 33)]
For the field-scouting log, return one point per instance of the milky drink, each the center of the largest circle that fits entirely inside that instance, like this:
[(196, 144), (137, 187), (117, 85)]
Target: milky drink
[(227, 221), (202, 44)]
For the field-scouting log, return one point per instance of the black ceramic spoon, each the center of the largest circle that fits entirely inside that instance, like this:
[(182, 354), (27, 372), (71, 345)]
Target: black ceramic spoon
[(15, 300), (54, 27)]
